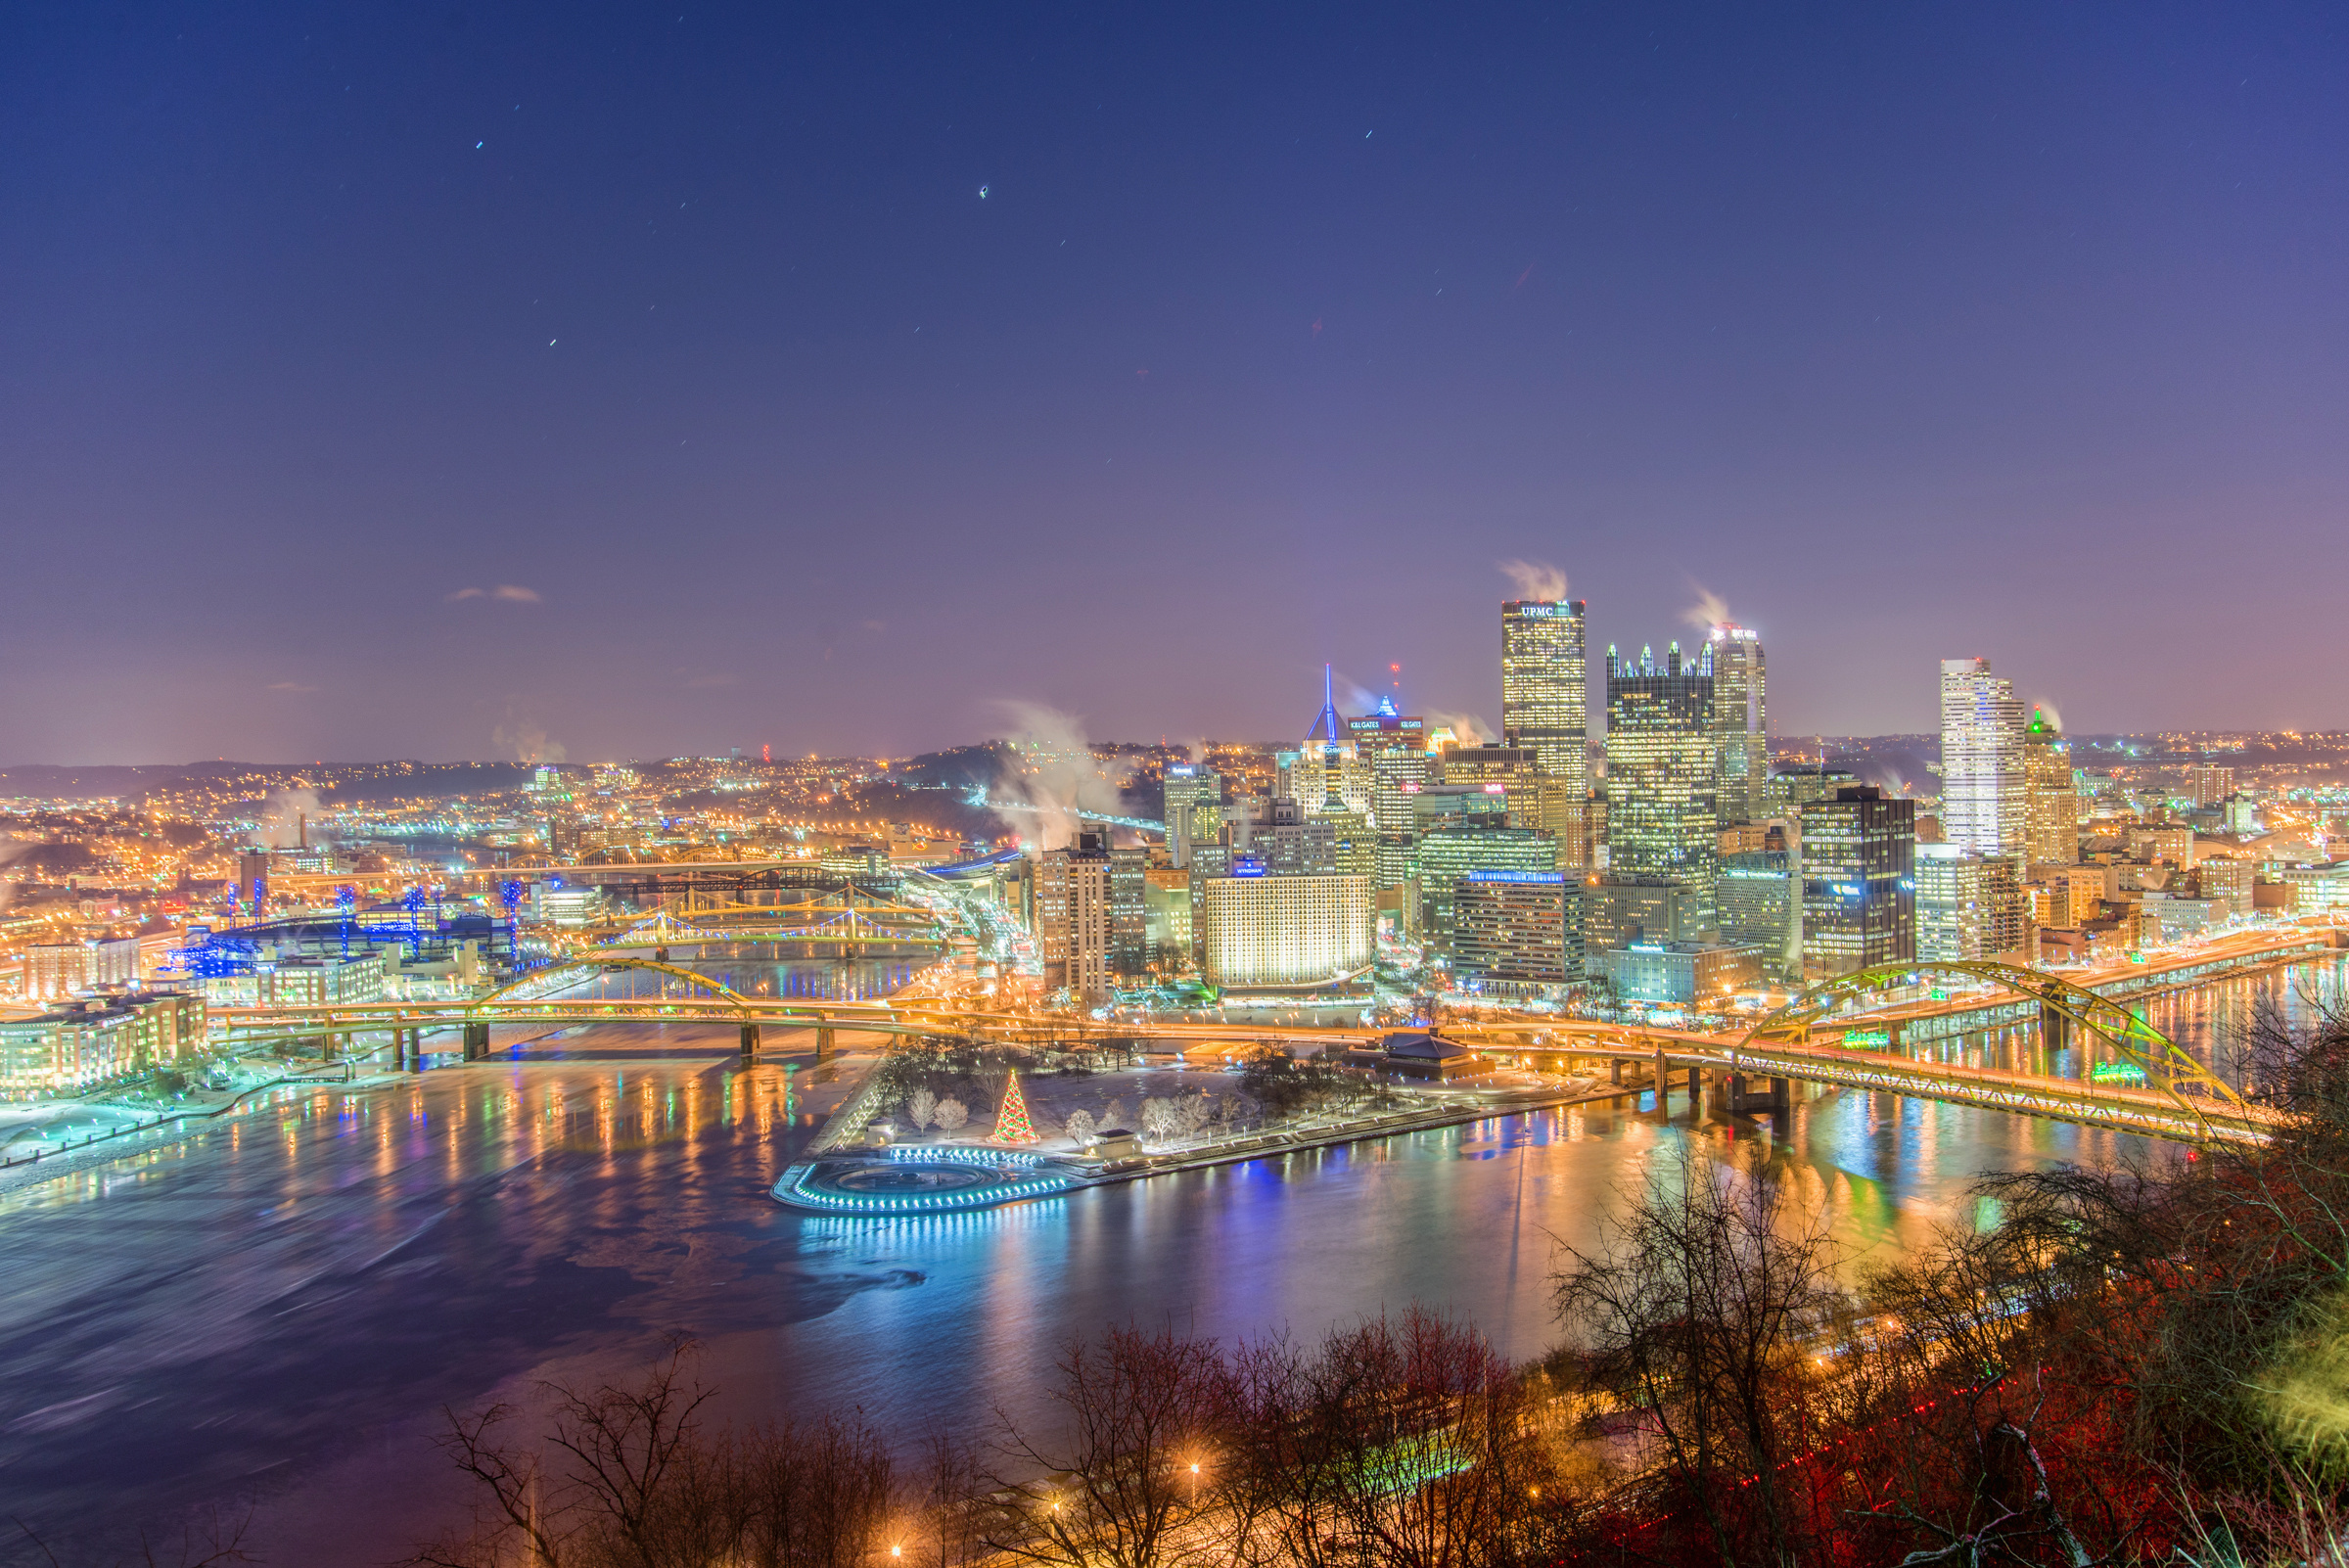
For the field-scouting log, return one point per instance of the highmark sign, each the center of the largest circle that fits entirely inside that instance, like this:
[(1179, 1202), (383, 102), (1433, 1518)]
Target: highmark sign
[(1866, 1038)]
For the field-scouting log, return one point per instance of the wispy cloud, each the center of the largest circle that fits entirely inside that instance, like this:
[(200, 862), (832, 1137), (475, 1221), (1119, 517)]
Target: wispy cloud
[(1535, 580), (510, 592)]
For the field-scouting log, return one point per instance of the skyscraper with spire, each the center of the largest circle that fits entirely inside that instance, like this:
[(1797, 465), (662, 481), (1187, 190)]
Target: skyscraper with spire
[(1329, 772)]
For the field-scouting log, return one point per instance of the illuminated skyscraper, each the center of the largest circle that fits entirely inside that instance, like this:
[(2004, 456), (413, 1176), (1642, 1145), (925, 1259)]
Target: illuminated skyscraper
[(1194, 810), (1956, 907), (1395, 745), (1073, 916), (1981, 760), (1331, 773), (1447, 855), (1858, 882), (1740, 724), (2050, 805), (1758, 899), (1661, 773), (1545, 686)]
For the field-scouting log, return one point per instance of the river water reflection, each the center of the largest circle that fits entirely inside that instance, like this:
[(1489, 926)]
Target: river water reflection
[(279, 1307)]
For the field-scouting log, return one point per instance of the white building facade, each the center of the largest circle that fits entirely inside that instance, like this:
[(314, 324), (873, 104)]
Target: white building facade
[(1982, 783)]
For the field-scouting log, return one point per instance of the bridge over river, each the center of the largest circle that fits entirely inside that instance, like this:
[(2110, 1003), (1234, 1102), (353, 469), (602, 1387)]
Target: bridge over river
[(1848, 1032)]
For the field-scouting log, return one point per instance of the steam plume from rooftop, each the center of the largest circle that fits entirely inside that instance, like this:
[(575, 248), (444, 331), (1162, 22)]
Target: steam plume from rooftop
[(1710, 610), (1535, 580)]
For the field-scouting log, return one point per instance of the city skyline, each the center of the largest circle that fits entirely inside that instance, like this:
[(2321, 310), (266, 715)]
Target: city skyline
[(383, 384), (852, 784)]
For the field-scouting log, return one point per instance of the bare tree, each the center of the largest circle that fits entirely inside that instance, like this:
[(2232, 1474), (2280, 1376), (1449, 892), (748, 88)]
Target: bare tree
[(1138, 1475), (627, 1477), (1113, 1114), (1162, 1120), (1080, 1126), (951, 1500), (1697, 1313), (1196, 1110), (951, 1115), (920, 1106), (1398, 1441), (217, 1544)]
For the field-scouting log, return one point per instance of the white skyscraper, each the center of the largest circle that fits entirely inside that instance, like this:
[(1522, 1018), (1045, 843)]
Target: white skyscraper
[(1740, 722), (1982, 784)]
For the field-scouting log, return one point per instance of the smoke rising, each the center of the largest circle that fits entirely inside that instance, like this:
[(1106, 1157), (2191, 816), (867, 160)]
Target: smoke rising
[(1468, 728), (1053, 772), (1710, 610), (2046, 709), (528, 741), (1535, 580), (280, 818)]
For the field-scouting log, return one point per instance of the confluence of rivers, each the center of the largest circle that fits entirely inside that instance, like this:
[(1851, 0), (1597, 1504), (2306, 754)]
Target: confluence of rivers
[(272, 1313)]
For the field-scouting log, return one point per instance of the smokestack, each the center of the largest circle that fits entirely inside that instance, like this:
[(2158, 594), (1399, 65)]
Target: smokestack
[(302, 830)]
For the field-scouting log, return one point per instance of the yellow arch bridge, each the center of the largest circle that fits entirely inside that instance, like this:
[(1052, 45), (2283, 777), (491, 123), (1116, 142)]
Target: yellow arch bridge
[(2154, 1088)]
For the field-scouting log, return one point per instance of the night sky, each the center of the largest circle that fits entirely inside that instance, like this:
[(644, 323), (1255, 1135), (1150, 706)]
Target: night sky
[(418, 380)]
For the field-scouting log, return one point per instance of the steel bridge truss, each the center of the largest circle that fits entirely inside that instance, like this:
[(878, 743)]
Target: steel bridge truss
[(2196, 1095)]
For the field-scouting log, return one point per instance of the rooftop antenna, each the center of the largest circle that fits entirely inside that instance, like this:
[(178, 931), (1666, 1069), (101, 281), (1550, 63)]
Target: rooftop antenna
[(1326, 726)]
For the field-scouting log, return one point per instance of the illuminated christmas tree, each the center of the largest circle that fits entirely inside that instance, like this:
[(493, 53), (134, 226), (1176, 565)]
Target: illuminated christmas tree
[(1011, 1116)]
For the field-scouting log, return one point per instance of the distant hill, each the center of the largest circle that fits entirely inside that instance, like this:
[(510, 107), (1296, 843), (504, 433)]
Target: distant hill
[(349, 782)]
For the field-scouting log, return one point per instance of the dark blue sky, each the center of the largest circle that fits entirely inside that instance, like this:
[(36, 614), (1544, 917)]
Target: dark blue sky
[(1910, 330)]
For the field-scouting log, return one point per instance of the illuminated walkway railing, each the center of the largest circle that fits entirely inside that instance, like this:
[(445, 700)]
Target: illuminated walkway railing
[(803, 1186)]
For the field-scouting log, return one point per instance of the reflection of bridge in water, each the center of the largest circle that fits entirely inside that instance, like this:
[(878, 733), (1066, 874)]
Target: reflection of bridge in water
[(1839, 1033)]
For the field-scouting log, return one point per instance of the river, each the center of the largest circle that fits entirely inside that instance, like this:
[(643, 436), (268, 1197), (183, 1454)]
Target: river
[(275, 1310)]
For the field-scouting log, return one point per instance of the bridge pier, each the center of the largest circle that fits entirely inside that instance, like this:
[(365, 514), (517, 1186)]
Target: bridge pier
[(1615, 1070), (1741, 1098), (750, 1044), (823, 1043), (416, 1050), (477, 1041), (1663, 1082)]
